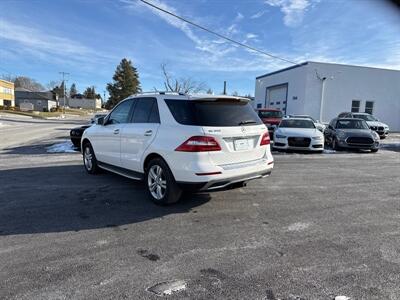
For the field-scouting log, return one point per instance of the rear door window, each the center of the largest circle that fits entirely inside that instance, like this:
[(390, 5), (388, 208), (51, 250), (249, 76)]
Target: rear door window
[(146, 111), (218, 113)]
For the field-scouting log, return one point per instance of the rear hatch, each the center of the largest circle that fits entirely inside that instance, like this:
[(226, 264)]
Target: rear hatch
[(232, 122)]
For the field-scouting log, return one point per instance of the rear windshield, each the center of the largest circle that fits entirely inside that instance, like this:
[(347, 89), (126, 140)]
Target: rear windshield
[(304, 117), (293, 123), (351, 124), (365, 117), (270, 114), (213, 113)]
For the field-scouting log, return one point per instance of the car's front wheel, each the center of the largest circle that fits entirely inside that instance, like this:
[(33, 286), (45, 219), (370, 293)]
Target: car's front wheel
[(161, 184), (89, 159), (374, 150), (334, 144)]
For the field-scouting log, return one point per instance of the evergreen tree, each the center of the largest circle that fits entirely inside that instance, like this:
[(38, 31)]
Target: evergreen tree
[(125, 83), (90, 93), (59, 90), (73, 91)]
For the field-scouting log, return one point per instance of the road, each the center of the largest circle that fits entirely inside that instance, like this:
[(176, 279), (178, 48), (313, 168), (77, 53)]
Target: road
[(320, 226)]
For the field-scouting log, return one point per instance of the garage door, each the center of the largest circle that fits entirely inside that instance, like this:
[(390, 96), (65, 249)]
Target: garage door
[(276, 97)]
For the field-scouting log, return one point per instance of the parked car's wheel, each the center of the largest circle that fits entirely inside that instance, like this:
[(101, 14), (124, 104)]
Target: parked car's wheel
[(161, 183), (374, 150), (334, 144), (89, 159)]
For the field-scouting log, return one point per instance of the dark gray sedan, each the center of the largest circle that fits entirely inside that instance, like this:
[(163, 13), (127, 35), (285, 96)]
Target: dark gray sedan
[(351, 133)]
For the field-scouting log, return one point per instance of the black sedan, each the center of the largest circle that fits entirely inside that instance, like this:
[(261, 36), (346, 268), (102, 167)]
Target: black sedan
[(76, 135), (351, 133)]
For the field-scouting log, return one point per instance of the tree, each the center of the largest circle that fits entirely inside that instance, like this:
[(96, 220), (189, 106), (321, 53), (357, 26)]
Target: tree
[(59, 90), (28, 83), (125, 83), (90, 93), (181, 85), (210, 91), (73, 91), (51, 85)]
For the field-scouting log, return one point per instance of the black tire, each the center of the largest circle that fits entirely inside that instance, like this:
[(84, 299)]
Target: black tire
[(165, 189), (334, 144), (89, 159), (374, 150), (382, 137)]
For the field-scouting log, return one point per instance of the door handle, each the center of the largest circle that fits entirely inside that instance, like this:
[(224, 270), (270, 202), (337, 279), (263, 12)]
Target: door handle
[(116, 131), (148, 133)]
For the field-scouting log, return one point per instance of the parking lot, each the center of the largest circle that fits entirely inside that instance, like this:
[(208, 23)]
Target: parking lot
[(322, 225)]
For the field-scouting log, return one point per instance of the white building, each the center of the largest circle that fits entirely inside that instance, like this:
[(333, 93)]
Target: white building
[(85, 103), (323, 90)]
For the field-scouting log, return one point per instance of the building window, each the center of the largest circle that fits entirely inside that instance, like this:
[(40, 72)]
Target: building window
[(258, 105), (272, 103), (369, 107), (355, 106)]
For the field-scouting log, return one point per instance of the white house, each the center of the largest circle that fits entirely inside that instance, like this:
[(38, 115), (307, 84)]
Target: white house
[(84, 103), (323, 90)]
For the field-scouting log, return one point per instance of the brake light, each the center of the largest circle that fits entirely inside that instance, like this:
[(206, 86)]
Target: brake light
[(265, 140), (199, 144)]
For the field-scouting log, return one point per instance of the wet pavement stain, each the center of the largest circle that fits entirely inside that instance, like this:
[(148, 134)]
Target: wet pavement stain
[(150, 256)]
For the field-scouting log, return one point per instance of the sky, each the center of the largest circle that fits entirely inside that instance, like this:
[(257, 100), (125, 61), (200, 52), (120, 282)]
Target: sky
[(87, 39)]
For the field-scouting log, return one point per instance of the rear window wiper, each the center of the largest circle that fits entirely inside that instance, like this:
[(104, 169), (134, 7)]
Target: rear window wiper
[(247, 122)]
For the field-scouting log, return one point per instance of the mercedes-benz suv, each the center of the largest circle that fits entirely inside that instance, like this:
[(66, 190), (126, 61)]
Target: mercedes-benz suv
[(176, 142)]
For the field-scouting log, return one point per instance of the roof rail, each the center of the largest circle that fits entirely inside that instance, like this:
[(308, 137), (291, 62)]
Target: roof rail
[(163, 93)]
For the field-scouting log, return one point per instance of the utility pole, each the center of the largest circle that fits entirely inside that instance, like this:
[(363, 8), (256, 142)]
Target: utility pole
[(224, 93), (64, 94)]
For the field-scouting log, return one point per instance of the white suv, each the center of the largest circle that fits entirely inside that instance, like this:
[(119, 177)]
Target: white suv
[(177, 142)]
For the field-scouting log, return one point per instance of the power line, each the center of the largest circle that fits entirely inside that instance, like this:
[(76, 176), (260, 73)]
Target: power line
[(217, 34)]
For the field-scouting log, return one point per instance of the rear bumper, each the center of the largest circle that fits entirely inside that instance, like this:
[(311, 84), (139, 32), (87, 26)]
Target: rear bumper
[(223, 184)]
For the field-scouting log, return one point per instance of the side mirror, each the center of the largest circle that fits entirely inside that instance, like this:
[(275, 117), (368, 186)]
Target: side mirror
[(100, 121)]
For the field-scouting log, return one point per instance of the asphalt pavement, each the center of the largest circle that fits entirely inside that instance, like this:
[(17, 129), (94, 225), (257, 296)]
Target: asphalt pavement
[(322, 225)]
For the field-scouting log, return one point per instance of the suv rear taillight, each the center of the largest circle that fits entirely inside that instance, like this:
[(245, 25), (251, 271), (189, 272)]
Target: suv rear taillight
[(265, 140), (199, 144)]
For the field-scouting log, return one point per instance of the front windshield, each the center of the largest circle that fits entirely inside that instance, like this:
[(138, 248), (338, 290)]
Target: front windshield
[(351, 124), (365, 117), (270, 114), (296, 123)]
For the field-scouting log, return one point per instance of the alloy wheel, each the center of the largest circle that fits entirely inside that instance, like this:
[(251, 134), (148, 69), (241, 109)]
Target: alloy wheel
[(157, 182), (87, 155)]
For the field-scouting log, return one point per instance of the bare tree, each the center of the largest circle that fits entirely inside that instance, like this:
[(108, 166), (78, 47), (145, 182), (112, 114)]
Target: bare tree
[(7, 77), (181, 85), (28, 83), (52, 85)]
